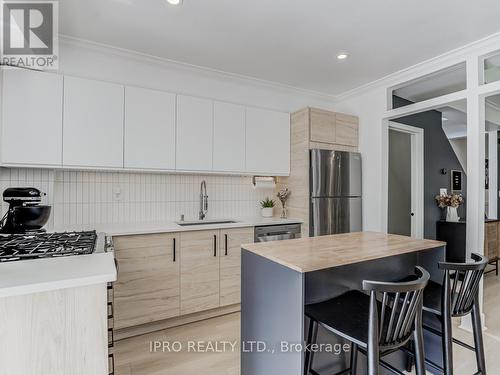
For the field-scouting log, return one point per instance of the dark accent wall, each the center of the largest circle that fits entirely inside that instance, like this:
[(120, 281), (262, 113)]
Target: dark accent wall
[(438, 154)]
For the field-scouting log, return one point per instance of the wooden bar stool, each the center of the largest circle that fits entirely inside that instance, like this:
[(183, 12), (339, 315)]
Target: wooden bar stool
[(457, 297), (375, 327)]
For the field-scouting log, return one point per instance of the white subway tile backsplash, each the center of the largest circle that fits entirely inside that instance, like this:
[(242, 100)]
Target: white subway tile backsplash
[(89, 197)]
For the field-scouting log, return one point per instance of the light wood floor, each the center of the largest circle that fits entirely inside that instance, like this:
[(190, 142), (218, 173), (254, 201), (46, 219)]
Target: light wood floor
[(133, 356)]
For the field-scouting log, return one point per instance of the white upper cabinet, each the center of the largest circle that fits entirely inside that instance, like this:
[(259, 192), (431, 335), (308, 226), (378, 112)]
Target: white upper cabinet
[(267, 142), (32, 118), (229, 137), (93, 123), (149, 129), (194, 133)]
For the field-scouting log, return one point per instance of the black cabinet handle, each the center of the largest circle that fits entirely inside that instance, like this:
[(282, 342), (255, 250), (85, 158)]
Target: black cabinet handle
[(215, 245), (111, 363), (225, 244), (111, 338), (174, 250)]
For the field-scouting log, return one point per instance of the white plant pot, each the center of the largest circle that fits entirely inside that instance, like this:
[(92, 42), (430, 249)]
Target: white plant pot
[(452, 214), (267, 212)]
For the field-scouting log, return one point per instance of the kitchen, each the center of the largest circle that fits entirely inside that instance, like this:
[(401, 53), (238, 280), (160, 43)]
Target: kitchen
[(140, 174)]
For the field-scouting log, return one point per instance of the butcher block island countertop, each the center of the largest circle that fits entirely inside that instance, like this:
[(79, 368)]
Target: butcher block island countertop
[(317, 253)]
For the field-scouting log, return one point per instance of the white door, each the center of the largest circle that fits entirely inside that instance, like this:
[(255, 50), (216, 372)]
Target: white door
[(267, 142), (405, 180), (229, 137), (149, 129), (93, 123), (194, 133), (32, 117)]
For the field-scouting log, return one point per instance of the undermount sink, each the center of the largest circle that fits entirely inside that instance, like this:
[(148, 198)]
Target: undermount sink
[(204, 222)]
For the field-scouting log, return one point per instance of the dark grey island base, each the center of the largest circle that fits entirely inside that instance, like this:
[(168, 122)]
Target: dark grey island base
[(277, 284)]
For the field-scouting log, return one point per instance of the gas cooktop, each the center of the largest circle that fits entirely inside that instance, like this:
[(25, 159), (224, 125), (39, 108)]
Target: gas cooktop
[(43, 245)]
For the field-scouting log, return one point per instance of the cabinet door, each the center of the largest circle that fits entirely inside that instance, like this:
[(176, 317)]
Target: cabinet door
[(149, 129), (93, 123), (230, 263), (267, 142), (32, 117), (147, 288), (229, 137), (194, 133), (346, 130), (199, 271), (491, 240), (322, 126)]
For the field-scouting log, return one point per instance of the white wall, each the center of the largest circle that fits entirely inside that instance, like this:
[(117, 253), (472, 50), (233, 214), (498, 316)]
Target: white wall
[(369, 107), (369, 103), (87, 198)]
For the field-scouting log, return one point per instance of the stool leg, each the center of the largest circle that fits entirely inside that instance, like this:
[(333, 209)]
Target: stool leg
[(447, 338), (478, 337), (410, 360), (354, 358), (419, 349), (418, 335), (373, 352), (312, 336)]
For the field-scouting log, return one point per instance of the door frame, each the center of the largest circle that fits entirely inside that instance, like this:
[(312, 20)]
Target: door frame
[(417, 174)]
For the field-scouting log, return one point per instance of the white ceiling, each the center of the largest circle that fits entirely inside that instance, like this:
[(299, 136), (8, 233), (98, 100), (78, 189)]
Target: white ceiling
[(287, 41)]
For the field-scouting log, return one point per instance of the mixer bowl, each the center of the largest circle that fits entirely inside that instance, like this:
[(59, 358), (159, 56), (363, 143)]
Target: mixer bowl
[(30, 217)]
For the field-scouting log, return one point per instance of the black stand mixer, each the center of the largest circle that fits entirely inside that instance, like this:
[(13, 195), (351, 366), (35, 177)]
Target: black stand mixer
[(25, 213)]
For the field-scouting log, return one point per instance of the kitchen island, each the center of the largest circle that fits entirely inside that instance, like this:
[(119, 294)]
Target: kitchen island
[(280, 278)]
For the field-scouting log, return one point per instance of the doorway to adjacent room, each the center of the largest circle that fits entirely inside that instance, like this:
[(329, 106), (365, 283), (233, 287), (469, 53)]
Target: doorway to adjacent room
[(405, 180)]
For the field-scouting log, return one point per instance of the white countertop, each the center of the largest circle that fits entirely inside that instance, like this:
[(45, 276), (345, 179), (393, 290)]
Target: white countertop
[(42, 275), (170, 226)]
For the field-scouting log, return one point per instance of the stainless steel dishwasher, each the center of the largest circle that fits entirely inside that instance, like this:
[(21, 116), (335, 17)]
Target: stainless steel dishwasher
[(276, 232)]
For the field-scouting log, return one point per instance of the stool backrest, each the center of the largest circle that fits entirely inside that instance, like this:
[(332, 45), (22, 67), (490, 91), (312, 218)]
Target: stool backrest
[(461, 282), (401, 308)]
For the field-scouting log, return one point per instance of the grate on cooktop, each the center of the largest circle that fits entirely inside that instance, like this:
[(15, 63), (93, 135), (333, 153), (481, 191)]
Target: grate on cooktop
[(43, 245)]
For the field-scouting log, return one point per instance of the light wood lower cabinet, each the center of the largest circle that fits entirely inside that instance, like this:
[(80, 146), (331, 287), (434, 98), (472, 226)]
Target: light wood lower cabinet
[(491, 235), (147, 288), (230, 263), (199, 271), (163, 276)]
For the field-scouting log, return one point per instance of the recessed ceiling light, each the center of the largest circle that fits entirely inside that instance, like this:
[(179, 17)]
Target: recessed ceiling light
[(342, 56), (174, 2)]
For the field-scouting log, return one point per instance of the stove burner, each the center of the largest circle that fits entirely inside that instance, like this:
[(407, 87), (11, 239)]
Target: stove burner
[(42, 245)]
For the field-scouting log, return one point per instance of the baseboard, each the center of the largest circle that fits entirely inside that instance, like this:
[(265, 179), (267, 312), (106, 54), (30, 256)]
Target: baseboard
[(124, 333)]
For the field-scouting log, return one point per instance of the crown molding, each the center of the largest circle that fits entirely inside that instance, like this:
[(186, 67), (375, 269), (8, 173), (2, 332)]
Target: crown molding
[(485, 46), (174, 64)]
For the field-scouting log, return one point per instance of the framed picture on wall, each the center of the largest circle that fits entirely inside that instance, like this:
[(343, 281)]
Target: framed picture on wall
[(456, 181)]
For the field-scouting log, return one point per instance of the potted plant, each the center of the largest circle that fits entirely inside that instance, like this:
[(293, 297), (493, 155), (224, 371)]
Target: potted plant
[(267, 207), (451, 203)]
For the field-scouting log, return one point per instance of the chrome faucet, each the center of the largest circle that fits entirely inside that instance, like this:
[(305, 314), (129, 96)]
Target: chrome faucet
[(203, 200)]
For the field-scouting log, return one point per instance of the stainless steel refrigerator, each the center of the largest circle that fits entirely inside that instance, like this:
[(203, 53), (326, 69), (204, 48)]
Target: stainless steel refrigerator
[(335, 186)]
